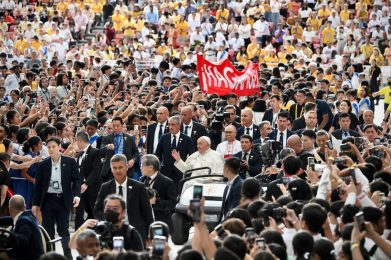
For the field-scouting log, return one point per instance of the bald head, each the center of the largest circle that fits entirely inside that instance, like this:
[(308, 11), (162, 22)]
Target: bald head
[(186, 115), (230, 133), (295, 143), (16, 205), (162, 114)]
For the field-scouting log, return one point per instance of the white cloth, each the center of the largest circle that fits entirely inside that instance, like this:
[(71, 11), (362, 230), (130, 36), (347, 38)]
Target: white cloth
[(156, 136), (210, 158), (227, 149), (55, 179)]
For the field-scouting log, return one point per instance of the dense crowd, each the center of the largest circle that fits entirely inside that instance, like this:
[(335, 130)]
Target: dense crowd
[(102, 116)]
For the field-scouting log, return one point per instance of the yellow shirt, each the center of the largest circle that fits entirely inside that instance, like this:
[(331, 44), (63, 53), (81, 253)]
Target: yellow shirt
[(363, 15), (97, 7), (242, 59), (282, 57), (128, 27), (224, 13), (271, 59), (140, 25), (315, 23), (252, 50), (183, 28), (366, 50), (2, 148), (36, 45), (161, 49), (117, 19), (379, 59), (21, 45), (386, 91), (328, 35), (297, 31), (290, 49), (344, 15), (324, 13), (61, 6)]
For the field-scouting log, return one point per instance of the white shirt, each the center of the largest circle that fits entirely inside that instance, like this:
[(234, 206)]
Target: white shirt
[(84, 155), (251, 128), (228, 149), (55, 179), (229, 184), (152, 179), (17, 217), (124, 189), (189, 129), (156, 136), (288, 235), (236, 43)]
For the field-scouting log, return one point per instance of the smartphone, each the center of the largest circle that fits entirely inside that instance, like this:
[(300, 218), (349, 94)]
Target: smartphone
[(157, 230), (118, 243), (330, 145), (195, 208), (261, 243), (135, 127), (158, 245), (220, 231), (197, 191), (359, 217), (352, 173), (250, 233), (311, 163)]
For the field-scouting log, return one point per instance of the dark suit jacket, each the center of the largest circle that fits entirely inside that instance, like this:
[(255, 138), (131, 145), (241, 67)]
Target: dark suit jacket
[(232, 199), (298, 123), (130, 151), (70, 181), (165, 198), (197, 131), (254, 163), (273, 134), (27, 233), (242, 130), (338, 134), (90, 171), (268, 116), (138, 207), (151, 136), (163, 152)]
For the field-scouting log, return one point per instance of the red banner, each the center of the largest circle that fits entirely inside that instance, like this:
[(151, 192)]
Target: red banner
[(223, 78)]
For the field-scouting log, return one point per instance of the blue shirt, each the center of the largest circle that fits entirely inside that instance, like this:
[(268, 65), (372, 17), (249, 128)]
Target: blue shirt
[(119, 143), (152, 18)]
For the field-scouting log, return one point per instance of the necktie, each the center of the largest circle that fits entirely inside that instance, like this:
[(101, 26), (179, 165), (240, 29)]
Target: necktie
[(186, 129), (147, 181), (116, 143), (160, 131), (120, 191), (245, 156), (173, 145), (345, 134), (247, 130), (282, 138)]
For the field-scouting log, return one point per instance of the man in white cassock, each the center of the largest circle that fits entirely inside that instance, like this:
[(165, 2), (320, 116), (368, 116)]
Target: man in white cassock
[(204, 157)]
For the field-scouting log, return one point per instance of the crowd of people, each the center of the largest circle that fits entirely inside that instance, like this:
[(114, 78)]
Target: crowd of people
[(98, 129)]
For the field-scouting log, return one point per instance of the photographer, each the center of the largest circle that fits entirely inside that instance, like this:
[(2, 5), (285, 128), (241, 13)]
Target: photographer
[(112, 226)]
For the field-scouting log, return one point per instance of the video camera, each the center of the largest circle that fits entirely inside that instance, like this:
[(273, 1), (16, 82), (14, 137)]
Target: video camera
[(269, 151), (105, 231)]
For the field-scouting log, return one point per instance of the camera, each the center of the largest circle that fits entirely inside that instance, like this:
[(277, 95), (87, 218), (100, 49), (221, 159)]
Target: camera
[(33, 94), (197, 191), (377, 152), (261, 243), (359, 142), (311, 163), (250, 233), (219, 117), (359, 217), (269, 151), (105, 230), (339, 161), (279, 213)]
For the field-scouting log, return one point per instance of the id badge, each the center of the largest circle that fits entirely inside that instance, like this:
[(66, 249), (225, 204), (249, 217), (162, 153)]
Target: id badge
[(56, 185)]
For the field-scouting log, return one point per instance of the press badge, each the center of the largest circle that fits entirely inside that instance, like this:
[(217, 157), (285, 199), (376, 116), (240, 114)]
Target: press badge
[(55, 185)]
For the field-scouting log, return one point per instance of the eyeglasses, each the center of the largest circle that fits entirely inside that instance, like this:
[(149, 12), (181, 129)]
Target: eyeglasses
[(228, 132)]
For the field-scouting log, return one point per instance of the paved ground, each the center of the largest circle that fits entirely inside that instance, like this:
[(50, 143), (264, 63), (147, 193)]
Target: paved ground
[(379, 114)]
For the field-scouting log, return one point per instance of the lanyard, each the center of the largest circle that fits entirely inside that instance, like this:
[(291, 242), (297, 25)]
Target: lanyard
[(301, 111)]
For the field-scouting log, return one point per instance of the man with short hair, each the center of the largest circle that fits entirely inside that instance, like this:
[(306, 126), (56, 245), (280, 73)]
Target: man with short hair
[(310, 122), (370, 133), (87, 244), (294, 142), (133, 193), (251, 161), (91, 129), (118, 143), (248, 127), (297, 110), (265, 129), (57, 190), (271, 114), (299, 123), (174, 140), (281, 133), (164, 189), (26, 230), (230, 146), (232, 192), (89, 164), (190, 128), (344, 131), (156, 130)]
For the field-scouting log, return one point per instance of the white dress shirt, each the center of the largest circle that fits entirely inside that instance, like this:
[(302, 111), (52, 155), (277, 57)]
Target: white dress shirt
[(81, 159), (156, 136), (189, 129), (124, 189), (229, 149), (55, 179), (285, 134), (251, 130)]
